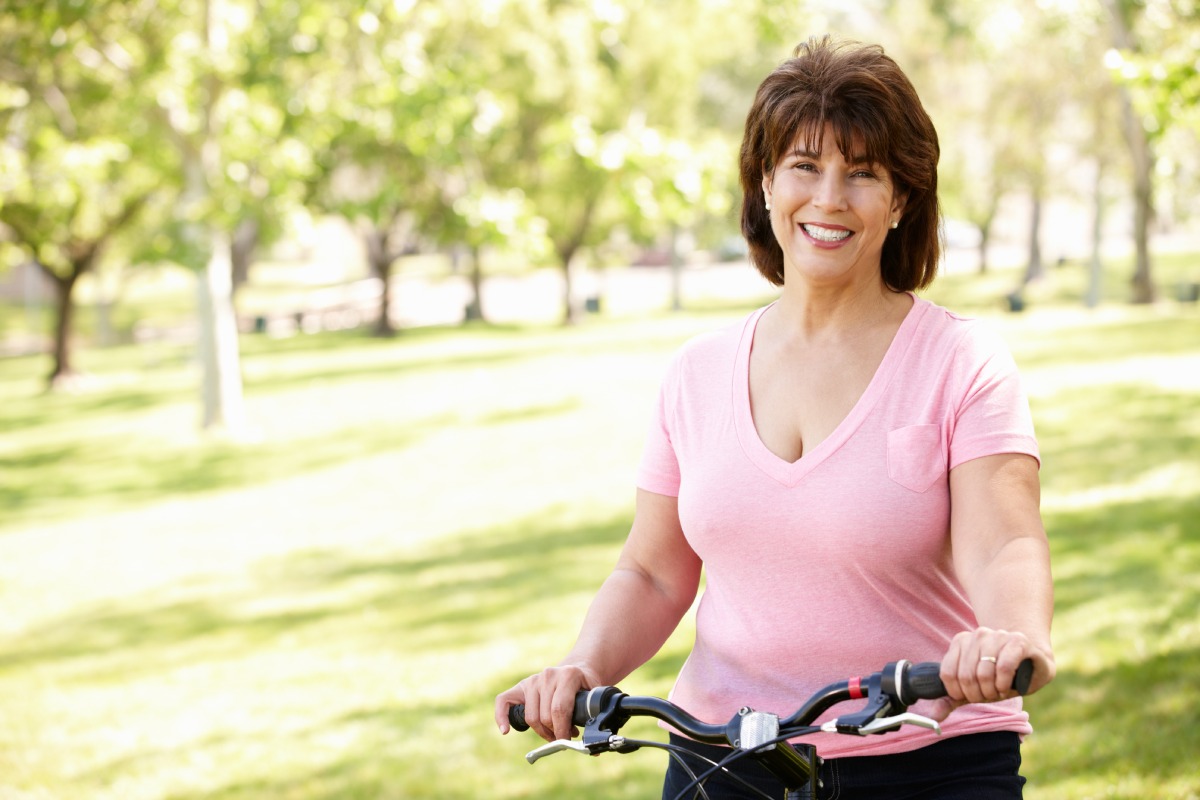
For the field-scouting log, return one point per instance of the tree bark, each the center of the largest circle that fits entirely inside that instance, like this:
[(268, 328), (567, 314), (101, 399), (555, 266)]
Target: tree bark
[(1095, 268), (570, 307), (1142, 155), (1035, 269), (1143, 213), (676, 271), (985, 235), (380, 259), (64, 287), (223, 407), (245, 240), (474, 310), (566, 253)]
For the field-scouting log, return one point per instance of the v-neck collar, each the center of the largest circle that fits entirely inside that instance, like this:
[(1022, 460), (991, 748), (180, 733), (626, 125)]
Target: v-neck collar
[(790, 473)]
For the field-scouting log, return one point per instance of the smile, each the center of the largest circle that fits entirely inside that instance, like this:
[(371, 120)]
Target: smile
[(822, 234)]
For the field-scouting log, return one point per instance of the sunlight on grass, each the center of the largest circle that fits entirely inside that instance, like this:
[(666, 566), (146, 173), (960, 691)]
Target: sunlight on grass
[(327, 612)]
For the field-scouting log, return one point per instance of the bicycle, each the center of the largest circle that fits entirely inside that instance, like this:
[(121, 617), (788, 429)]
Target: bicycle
[(602, 711)]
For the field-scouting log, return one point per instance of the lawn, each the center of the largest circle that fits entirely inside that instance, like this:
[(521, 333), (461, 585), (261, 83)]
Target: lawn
[(327, 611)]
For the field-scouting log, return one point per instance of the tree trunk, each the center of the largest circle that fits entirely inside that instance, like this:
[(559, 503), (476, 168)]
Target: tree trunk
[(1035, 269), (1143, 213), (1095, 269), (64, 287), (571, 308), (985, 237), (380, 259), (567, 251), (676, 271), (245, 240), (1143, 167), (474, 310), (222, 403)]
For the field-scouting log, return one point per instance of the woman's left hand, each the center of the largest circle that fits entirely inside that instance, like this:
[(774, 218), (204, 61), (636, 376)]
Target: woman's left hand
[(980, 666)]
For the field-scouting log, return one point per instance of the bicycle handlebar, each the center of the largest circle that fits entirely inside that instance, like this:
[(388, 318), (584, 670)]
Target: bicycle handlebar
[(902, 681)]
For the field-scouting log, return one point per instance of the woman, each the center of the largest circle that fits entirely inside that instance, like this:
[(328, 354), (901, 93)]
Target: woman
[(854, 467)]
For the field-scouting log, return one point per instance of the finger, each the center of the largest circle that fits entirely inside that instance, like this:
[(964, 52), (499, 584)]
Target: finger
[(986, 684), (976, 665), (1009, 659), (950, 670), (545, 704), (941, 708), (563, 710), (504, 701)]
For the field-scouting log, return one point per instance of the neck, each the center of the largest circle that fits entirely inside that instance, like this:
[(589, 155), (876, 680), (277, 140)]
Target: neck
[(809, 313)]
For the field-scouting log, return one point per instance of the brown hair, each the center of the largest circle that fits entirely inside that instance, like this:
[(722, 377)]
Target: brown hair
[(866, 99)]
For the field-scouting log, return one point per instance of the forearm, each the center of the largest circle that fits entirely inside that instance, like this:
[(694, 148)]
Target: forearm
[(1014, 591), (628, 621)]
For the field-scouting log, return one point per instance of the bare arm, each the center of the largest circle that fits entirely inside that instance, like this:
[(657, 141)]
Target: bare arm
[(1002, 559), (637, 607)]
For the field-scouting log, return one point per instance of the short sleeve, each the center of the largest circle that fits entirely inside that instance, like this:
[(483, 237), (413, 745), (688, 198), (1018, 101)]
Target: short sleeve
[(658, 471), (993, 416)]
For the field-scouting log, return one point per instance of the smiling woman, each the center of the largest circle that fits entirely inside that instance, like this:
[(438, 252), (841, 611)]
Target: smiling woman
[(830, 214), (859, 101), (869, 451)]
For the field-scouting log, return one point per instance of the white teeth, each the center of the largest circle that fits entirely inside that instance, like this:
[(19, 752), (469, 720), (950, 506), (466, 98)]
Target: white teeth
[(825, 234)]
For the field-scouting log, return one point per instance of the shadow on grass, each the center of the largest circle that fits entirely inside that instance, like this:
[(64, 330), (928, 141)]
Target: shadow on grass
[(447, 598), (115, 472), (1122, 338), (1131, 716), (1125, 571), (452, 590), (1097, 438), (1135, 718)]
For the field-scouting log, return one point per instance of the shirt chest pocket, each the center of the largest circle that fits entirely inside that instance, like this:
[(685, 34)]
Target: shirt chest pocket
[(914, 456)]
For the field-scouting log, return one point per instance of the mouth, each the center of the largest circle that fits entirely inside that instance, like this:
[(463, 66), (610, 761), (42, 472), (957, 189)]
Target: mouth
[(823, 234)]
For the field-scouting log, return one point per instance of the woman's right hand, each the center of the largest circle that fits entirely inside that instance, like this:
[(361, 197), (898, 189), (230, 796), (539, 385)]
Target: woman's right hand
[(549, 699)]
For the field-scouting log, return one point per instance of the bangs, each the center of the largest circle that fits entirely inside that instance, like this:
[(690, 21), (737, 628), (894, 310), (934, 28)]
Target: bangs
[(861, 137)]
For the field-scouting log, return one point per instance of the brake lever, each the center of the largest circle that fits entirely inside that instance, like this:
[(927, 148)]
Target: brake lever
[(884, 724), (557, 746), (617, 743)]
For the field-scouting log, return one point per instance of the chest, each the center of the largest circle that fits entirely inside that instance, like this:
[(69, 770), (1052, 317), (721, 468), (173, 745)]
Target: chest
[(799, 397)]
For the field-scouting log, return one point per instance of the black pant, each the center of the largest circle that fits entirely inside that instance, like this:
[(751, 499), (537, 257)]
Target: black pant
[(978, 766)]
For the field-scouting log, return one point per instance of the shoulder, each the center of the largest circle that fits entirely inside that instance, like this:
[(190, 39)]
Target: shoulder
[(958, 337), (714, 349)]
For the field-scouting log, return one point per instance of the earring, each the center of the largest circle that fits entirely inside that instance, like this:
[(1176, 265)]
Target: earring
[(895, 225), (768, 204)]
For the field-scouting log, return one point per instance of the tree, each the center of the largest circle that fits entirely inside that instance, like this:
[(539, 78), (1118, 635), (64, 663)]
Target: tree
[(76, 173), (617, 125), (388, 110), (1154, 68), (1142, 154)]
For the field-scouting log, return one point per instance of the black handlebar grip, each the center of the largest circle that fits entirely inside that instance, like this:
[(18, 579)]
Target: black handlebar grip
[(516, 717), (1023, 677), (923, 681), (516, 714)]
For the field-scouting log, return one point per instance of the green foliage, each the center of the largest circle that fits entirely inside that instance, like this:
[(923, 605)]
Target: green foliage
[(79, 157)]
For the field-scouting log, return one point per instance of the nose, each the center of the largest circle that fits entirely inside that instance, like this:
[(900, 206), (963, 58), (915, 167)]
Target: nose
[(830, 192)]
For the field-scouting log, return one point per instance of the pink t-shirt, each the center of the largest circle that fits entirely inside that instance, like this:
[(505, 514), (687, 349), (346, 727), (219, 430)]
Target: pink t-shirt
[(831, 566)]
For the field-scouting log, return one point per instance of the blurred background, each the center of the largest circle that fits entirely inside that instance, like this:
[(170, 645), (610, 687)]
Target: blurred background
[(329, 332)]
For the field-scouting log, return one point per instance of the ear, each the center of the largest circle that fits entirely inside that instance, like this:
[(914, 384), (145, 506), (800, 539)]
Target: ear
[(899, 202), (766, 186)]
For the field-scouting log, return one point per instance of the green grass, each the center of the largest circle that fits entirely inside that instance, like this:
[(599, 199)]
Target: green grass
[(326, 612)]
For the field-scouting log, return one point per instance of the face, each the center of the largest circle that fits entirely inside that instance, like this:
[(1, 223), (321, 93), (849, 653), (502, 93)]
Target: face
[(830, 212)]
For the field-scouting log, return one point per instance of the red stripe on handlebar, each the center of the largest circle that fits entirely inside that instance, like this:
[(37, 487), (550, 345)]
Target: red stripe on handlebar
[(856, 692)]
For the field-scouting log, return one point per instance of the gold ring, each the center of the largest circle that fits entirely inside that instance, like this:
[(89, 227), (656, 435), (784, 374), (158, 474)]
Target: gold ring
[(988, 658)]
